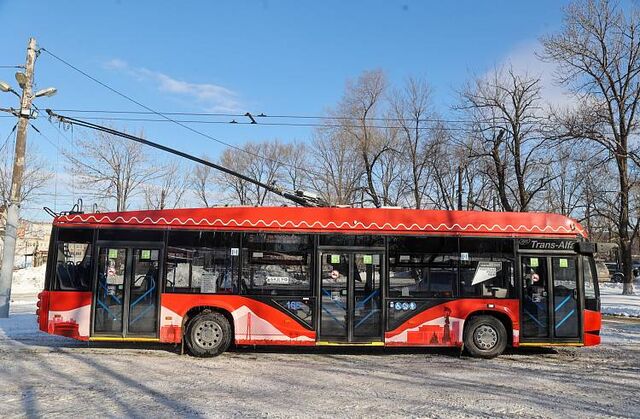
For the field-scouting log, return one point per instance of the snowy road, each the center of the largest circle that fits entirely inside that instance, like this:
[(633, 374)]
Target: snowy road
[(56, 377)]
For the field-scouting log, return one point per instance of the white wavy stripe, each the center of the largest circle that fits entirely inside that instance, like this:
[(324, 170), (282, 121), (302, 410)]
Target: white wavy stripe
[(315, 224)]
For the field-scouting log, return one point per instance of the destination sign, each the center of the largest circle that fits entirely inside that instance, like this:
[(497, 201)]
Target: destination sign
[(549, 244)]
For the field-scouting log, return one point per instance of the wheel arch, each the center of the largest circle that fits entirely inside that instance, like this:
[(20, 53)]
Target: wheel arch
[(195, 310), (504, 318)]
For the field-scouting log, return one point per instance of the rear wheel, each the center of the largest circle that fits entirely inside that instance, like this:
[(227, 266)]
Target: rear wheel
[(485, 337), (208, 334), (617, 277)]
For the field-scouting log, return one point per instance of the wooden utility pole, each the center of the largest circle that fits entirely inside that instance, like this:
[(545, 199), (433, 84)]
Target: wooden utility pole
[(13, 215)]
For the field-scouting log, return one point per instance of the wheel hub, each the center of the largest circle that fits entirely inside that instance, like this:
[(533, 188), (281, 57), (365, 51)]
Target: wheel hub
[(485, 337), (208, 334)]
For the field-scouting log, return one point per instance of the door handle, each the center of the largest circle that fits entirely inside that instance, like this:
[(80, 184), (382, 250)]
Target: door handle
[(575, 293)]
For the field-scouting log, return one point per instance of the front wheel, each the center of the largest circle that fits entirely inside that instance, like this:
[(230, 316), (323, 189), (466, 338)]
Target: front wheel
[(208, 334), (485, 337)]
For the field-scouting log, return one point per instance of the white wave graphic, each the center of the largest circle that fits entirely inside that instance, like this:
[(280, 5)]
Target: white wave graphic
[(91, 218)]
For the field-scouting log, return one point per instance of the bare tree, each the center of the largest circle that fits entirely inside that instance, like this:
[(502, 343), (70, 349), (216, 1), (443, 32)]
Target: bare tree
[(566, 192), (444, 162), (110, 167), (295, 170), (264, 162), (505, 113), (358, 110), (236, 190), (390, 175), (201, 181), (337, 165), (168, 189), (36, 177), (598, 53), (410, 107)]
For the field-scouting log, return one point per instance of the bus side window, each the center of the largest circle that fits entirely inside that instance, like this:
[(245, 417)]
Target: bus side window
[(277, 264), (486, 268), (423, 267), (201, 262), (73, 267), (590, 284)]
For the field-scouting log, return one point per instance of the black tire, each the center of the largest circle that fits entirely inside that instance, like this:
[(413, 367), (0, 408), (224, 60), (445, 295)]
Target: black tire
[(208, 334), (485, 337), (617, 277)]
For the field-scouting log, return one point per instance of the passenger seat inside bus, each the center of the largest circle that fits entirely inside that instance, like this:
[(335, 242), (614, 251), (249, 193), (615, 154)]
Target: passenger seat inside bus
[(64, 276)]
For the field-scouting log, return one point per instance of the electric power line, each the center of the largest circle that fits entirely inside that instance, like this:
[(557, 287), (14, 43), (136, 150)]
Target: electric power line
[(187, 127), (269, 124), (182, 124), (268, 116), (6, 141)]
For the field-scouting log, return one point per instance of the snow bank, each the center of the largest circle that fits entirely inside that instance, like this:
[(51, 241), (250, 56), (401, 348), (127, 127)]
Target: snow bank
[(613, 302), (28, 280)]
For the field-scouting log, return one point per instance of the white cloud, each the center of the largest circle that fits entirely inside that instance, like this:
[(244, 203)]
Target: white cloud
[(210, 97), (523, 59), (116, 64)]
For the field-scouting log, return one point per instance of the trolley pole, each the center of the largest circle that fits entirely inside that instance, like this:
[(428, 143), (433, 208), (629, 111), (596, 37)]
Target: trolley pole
[(13, 214)]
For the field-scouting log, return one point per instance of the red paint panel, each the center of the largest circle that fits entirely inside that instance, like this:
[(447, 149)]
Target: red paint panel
[(591, 339), (43, 310), (68, 329), (448, 331), (592, 326), (182, 303), (68, 300), (171, 334), (350, 220), (285, 324), (592, 321)]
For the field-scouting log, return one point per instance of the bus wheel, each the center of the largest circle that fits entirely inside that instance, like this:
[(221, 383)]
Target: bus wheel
[(485, 337), (208, 334)]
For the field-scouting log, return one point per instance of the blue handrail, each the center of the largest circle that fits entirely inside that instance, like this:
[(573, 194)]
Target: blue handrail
[(361, 303), (328, 294), (533, 318), (565, 318), (147, 292), (563, 302), (142, 313), (362, 320), (332, 316), (104, 306)]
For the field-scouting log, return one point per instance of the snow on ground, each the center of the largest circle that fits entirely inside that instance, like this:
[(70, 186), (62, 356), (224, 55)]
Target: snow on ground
[(614, 303), (28, 280), (44, 375)]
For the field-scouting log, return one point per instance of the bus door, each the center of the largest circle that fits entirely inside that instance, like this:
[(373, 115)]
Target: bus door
[(350, 296), (550, 299), (126, 291)]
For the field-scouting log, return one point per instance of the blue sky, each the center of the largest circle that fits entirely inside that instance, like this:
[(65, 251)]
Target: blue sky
[(276, 57)]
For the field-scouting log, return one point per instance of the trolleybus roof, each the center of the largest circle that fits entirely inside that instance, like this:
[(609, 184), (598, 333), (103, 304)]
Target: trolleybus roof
[(337, 220)]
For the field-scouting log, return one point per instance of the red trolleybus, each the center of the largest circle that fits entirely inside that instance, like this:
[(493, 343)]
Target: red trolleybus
[(211, 277)]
